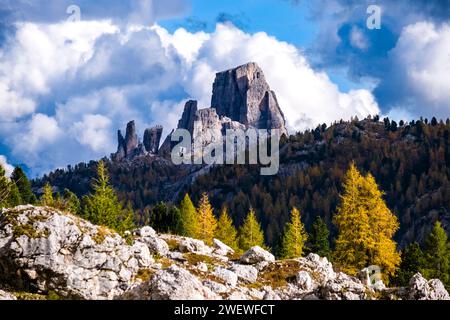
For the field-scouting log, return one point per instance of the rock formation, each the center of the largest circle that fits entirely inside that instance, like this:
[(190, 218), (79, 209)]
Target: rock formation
[(243, 95), (152, 138), (130, 147), (241, 99), (45, 251)]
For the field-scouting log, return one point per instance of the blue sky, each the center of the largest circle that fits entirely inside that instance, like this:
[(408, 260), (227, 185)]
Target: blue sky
[(67, 85)]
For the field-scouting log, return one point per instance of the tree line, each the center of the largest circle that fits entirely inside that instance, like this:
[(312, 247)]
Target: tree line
[(365, 224)]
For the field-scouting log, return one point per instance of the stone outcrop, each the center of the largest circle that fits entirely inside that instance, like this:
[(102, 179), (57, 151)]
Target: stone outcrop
[(243, 95), (241, 99), (130, 147), (6, 296), (44, 251), (152, 138)]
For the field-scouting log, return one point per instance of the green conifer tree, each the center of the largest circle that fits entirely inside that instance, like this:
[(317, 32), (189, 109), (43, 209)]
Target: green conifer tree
[(436, 255), (103, 207), (412, 260), (294, 237), (225, 231), (319, 238), (250, 233), (24, 186), (14, 196)]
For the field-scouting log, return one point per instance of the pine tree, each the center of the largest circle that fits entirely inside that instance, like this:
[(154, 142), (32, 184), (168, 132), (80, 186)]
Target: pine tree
[(206, 220), (250, 233), (189, 218), (436, 255), (24, 186), (366, 227), (225, 231), (47, 197), (319, 238), (412, 260), (103, 207), (294, 237)]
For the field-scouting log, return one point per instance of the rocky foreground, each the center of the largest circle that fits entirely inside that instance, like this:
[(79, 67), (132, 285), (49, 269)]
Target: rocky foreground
[(45, 253)]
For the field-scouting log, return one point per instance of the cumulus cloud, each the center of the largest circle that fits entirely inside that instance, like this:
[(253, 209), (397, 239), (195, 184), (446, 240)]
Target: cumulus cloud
[(8, 168), (307, 97), (85, 80), (419, 69)]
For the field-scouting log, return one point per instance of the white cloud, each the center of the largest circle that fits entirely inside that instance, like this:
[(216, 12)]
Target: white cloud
[(306, 96), (420, 70), (358, 39), (94, 132), (87, 79), (41, 130), (8, 168)]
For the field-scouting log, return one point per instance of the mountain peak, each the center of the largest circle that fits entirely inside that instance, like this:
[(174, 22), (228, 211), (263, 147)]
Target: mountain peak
[(243, 95)]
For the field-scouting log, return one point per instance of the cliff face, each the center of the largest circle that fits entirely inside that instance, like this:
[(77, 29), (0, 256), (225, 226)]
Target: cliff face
[(241, 99), (43, 250), (243, 95)]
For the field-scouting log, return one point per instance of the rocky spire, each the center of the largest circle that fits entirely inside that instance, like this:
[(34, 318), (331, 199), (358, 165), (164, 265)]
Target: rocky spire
[(243, 95), (152, 138), (131, 138), (188, 117), (129, 147)]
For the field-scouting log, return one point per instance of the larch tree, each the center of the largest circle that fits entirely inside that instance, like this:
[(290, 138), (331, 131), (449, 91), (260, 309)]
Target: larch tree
[(250, 233), (103, 206), (47, 197), (366, 227), (225, 231), (207, 223), (436, 263), (319, 239), (189, 218), (294, 237)]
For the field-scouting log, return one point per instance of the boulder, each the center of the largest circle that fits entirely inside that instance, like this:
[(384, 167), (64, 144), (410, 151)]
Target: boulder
[(156, 245), (145, 232), (194, 246), (304, 281), (319, 266), (228, 277), (343, 287), (173, 283), (245, 273), (421, 289), (257, 254), (221, 248), (6, 296)]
